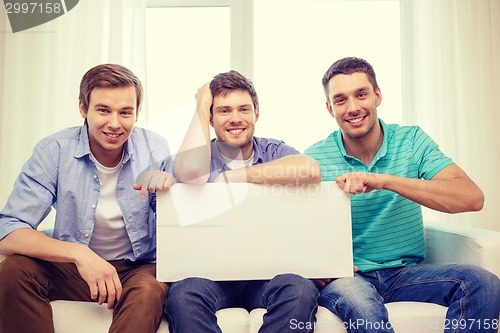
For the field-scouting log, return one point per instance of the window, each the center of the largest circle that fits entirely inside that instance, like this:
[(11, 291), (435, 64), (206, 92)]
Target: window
[(284, 46), (295, 43), (185, 47)]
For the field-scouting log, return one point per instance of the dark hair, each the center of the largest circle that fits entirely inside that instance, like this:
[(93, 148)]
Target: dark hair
[(224, 83), (348, 66), (108, 76)]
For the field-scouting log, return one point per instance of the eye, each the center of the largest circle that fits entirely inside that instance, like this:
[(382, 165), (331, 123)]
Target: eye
[(101, 110), (223, 111), (245, 110), (339, 101), (362, 95), (126, 113)]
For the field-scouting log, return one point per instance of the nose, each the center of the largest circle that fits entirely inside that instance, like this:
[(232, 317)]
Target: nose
[(235, 117), (113, 120), (352, 105)]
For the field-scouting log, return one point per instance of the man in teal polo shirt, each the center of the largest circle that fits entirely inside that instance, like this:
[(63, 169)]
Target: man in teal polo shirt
[(391, 171)]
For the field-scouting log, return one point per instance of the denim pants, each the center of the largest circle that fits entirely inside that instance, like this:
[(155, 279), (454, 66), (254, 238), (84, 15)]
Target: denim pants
[(192, 303), (471, 294)]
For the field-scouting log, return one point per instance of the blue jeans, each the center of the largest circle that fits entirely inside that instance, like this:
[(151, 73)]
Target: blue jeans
[(192, 303), (471, 294)]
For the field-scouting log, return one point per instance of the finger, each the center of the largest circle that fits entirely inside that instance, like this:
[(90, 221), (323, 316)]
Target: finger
[(94, 291), (145, 184), (169, 181), (358, 188), (347, 186), (102, 293), (111, 294), (157, 182), (118, 286)]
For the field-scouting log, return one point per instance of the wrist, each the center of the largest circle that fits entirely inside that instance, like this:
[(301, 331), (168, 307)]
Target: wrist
[(77, 253)]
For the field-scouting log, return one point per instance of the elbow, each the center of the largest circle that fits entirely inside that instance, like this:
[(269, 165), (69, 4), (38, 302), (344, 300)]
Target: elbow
[(313, 171), (316, 173), (473, 203), (191, 173), (477, 203)]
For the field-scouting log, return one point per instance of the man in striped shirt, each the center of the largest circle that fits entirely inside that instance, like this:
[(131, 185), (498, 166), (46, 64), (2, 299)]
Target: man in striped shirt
[(391, 171)]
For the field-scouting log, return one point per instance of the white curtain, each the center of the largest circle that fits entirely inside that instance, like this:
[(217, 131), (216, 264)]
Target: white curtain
[(451, 88), (41, 69)]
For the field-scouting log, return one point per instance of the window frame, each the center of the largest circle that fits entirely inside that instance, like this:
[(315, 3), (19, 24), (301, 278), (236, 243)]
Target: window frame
[(241, 27)]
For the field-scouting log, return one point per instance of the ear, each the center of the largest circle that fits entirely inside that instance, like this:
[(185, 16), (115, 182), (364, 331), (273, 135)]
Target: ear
[(330, 109), (378, 96), (257, 113), (83, 112), (211, 120)]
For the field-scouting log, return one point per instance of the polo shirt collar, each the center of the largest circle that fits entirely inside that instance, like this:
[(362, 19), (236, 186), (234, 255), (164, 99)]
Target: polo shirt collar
[(382, 150), (217, 155)]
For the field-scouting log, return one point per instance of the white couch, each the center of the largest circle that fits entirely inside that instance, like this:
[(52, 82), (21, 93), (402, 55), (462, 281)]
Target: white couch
[(445, 244)]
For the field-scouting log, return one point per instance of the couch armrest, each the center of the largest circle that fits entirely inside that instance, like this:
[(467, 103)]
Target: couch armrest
[(451, 243)]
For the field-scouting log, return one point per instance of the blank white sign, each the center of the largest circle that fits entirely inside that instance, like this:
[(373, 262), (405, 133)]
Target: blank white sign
[(242, 231)]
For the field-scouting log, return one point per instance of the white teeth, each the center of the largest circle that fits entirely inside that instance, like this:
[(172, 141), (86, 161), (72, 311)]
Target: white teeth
[(113, 135), (357, 120), (235, 131)]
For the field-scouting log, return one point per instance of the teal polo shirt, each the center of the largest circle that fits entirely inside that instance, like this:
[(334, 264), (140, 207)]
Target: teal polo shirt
[(387, 229)]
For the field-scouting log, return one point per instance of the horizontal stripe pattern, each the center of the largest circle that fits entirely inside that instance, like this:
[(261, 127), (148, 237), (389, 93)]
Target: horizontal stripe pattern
[(387, 228)]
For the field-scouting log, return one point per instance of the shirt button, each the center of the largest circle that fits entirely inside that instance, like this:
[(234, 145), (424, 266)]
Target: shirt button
[(93, 206), (86, 235), (95, 176)]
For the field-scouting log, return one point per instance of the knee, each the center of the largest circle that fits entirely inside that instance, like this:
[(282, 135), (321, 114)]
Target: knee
[(188, 292), (484, 281), (353, 298), (14, 269), (146, 288), (192, 287), (348, 291), (302, 290)]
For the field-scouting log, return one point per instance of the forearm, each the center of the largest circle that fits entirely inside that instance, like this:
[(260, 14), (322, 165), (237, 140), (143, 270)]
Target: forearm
[(446, 195), (33, 243), (292, 169), (192, 163)]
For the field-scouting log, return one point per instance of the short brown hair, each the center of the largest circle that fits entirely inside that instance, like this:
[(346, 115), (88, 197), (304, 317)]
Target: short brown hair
[(348, 66), (224, 83), (108, 76)]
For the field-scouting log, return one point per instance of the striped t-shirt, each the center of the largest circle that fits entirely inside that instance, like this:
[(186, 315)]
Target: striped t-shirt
[(387, 228)]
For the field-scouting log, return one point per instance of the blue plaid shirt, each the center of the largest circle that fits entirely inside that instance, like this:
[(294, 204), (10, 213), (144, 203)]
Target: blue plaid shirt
[(60, 174)]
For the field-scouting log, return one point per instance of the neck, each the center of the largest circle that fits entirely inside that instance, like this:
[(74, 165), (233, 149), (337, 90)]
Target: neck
[(109, 158), (365, 148), (235, 152)]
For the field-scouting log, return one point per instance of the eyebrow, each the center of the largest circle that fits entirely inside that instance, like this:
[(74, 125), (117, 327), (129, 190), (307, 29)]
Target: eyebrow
[(355, 91), (100, 105), (228, 107)]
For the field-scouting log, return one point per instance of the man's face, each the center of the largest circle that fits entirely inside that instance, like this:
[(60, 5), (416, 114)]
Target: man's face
[(353, 103), (233, 119), (111, 117)]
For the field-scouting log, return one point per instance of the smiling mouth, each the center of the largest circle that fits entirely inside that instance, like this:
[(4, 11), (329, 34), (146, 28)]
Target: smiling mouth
[(112, 135), (236, 131), (356, 120)]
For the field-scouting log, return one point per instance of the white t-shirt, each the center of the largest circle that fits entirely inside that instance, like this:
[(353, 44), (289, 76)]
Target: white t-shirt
[(109, 238), (236, 163)]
